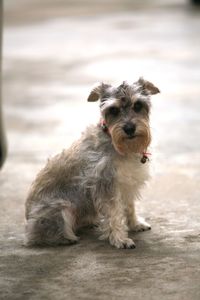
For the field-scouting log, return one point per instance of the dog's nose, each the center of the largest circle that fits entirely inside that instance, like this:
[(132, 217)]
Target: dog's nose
[(129, 129)]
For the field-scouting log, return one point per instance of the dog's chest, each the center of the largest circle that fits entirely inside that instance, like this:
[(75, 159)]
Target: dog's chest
[(130, 172)]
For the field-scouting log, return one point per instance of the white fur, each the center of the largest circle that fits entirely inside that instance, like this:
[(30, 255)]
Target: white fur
[(131, 174)]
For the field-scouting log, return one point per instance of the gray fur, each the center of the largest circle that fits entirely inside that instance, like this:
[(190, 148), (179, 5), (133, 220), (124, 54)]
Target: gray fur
[(80, 186)]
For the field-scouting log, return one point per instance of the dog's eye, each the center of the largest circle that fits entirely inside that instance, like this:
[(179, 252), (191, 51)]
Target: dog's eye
[(138, 106), (114, 111)]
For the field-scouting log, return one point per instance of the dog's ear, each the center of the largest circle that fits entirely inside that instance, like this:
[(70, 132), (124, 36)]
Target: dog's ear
[(148, 87), (94, 94), (97, 92)]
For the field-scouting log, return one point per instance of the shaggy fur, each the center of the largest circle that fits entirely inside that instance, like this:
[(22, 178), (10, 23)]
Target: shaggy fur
[(97, 180)]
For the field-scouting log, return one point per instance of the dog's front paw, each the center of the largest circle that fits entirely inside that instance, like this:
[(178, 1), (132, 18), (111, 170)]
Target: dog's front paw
[(128, 244), (123, 244), (140, 225)]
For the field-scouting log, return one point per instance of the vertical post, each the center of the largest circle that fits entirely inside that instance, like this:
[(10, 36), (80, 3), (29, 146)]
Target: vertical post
[(2, 132)]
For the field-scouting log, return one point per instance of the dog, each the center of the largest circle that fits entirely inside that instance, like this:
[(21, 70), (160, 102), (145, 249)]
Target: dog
[(99, 178)]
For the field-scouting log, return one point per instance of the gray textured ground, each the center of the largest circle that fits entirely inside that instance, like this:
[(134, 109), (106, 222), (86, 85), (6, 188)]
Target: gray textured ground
[(53, 53)]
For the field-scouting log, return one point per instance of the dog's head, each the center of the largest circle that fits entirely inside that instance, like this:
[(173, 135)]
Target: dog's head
[(125, 112)]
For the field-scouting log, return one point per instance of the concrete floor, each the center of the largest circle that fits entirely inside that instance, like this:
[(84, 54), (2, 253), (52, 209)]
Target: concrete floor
[(54, 51)]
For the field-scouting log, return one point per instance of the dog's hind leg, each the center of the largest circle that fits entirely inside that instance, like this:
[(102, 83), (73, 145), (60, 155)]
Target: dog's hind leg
[(51, 227), (69, 225)]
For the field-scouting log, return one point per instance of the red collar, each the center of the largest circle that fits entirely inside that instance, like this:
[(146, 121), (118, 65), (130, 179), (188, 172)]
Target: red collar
[(104, 126), (145, 155)]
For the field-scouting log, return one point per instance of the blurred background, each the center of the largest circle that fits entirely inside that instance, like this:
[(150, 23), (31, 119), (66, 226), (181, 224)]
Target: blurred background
[(53, 54), (55, 51)]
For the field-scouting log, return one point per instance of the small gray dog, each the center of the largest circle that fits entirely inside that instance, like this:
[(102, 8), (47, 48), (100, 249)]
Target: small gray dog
[(97, 180)]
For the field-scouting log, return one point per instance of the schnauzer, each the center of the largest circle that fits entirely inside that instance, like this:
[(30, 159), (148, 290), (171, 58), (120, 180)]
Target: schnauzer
[(97, 180)]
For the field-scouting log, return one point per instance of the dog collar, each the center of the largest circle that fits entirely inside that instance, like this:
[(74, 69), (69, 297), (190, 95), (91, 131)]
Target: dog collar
[(104, 126), (145, 155)]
